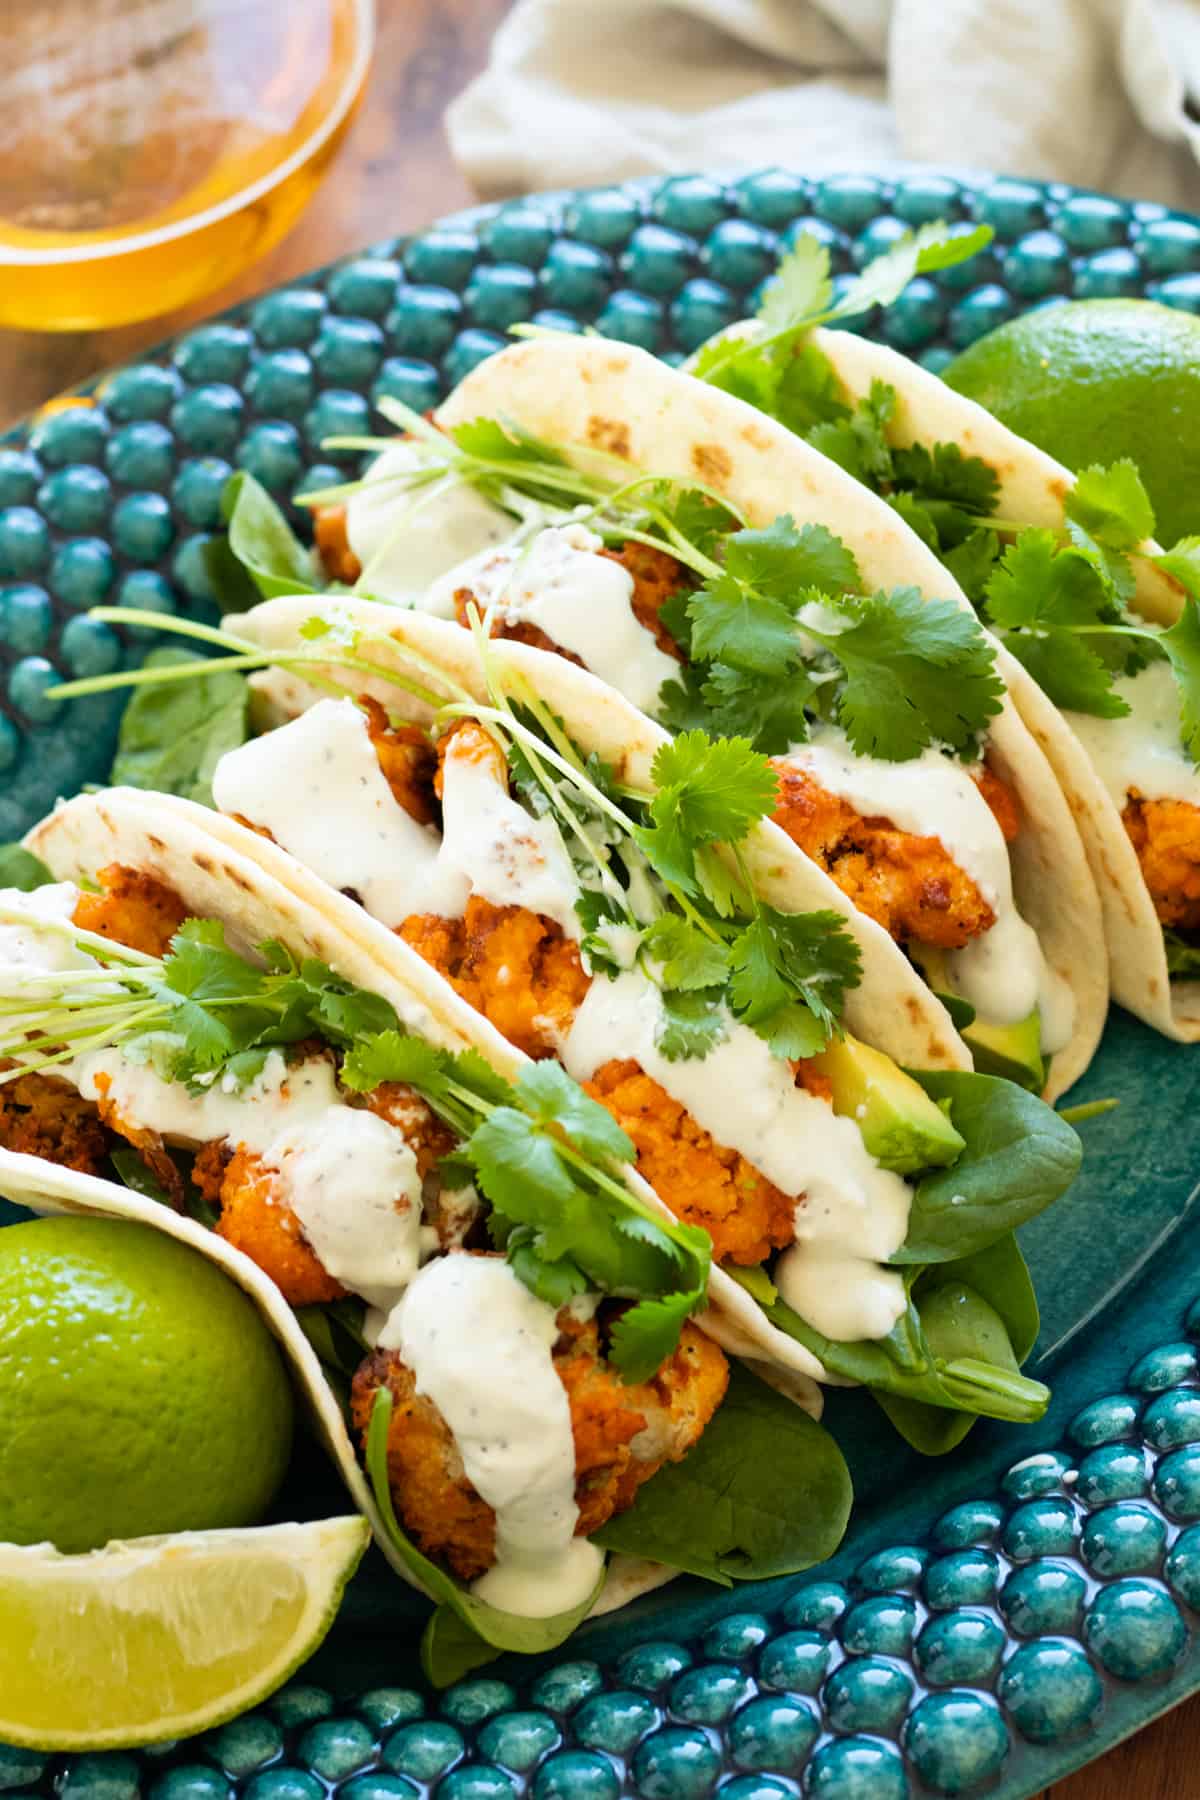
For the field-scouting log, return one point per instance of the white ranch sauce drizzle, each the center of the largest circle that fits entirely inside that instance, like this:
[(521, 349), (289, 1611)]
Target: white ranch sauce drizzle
[(317, 786), (1001, 972), (854, 1214), (478, 1344), (1143, 750), (27, 949), (405, 537), (501, 852), (348, 1175), (583, 602)]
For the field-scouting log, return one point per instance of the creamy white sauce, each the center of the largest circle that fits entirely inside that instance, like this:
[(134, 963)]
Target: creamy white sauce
[(32, 945), (478, 1344), (1143, 750), (853, 1215), (317, 786), (1001, 972), (406, 535), (349, 1176), (583, 602), (502, 853)]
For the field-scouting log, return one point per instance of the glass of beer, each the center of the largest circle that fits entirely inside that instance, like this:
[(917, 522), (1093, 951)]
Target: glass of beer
[(151, 149)]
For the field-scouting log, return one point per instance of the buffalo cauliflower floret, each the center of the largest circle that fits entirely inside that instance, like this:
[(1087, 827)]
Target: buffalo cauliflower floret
[(623, 1435)]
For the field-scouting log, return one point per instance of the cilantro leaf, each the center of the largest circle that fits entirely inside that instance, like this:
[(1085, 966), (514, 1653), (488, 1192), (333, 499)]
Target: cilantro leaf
[(1112, 505), (522, 1172), (971, 563), (783, 958), (692, 1024), (548, 1095), (1182, 645), (736, 624), (1070, 674), (642, 1339), (718, 882), (807, 392), (1039, 583), (715, 788), (771, 710), (689, 958), (781, 561), (801, 289), (944, 473), (936, 245), (916, 672), (858, 443), (556, 1282), (503, 440)]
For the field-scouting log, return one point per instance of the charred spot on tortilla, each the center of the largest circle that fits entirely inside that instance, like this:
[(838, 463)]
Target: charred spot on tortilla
[(713, 464), (1059, 486), (756, 437), (609, 434), (204, 862)]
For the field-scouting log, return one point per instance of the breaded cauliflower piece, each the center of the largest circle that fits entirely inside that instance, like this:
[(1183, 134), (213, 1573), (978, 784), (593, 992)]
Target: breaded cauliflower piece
[(702, 1182), (40, 1116), (909, 884), (133, 909), (623, 1435), (333, 545), (1166, 836), (256, 1219)]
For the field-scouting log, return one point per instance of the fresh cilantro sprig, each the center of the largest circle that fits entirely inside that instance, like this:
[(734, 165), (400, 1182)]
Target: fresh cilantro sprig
[(900, 672), (540, 1150), (762, 367), (1060, 601)]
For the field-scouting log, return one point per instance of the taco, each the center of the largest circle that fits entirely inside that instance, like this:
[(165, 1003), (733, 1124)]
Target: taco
[(493, 1319), (616, 899), (1097, 623), (721, 573)]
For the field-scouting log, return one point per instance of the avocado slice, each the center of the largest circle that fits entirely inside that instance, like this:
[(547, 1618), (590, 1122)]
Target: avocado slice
[(1013, 1051), (901, 1126)]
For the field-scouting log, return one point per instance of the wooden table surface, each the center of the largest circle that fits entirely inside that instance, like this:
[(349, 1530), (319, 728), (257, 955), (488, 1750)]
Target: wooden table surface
[(394, 174)]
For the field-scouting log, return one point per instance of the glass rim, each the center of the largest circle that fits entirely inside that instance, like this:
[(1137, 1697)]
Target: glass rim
[(11, 256)]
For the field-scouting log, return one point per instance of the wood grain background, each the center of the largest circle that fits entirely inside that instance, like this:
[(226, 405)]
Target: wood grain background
[(394, 174)]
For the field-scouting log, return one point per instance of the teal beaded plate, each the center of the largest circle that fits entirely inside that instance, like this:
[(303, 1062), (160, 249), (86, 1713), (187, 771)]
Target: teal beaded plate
[(993, 1619)]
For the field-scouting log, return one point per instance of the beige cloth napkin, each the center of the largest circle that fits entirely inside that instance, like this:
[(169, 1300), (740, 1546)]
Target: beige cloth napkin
[(1105, 93)]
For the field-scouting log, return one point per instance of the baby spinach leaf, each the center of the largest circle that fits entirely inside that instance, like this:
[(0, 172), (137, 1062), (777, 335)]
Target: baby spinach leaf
[(262, 541), (985, 1306), (969, 1365), (1020, 1156), (765, 1492), (19, 868), (173, 735)]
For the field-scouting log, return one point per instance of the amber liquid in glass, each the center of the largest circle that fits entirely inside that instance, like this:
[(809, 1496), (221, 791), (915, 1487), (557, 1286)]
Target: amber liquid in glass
[(150, 149)]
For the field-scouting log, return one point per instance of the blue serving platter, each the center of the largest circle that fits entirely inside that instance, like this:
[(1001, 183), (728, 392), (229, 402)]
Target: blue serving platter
[(993, 1619)]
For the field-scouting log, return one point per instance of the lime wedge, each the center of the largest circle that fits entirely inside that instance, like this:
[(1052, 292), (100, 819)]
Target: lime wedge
[(161, 1637)]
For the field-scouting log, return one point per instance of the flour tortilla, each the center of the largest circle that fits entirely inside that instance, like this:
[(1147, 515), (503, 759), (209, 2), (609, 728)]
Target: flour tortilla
[(1033, 488), (223, 870), (597, 401)]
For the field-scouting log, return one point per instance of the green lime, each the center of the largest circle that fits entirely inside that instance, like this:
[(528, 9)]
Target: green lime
[(163, 1637), (1093, 380), (140, 1391)]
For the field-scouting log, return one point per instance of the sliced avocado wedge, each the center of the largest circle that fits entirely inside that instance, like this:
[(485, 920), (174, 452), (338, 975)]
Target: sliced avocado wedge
[(901, 1126), (1013, 1051)]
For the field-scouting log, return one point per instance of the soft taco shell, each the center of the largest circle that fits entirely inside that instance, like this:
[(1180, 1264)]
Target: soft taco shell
[(223, 870), (1032, 488), (594, 398)]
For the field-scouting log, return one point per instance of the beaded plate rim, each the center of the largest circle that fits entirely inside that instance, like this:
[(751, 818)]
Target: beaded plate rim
[(865, 1729)]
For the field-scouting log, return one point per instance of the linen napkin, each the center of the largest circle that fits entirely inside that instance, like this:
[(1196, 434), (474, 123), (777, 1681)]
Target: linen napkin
[(1103, 93)]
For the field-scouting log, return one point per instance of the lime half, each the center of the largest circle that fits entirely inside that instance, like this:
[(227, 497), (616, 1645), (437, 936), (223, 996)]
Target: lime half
[(1093, 380), (161, 1637)]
